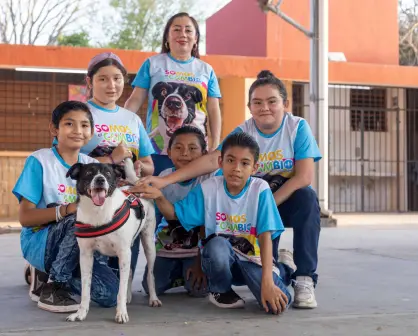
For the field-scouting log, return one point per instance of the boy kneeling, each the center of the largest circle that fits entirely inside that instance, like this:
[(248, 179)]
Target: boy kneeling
[(241, 220)]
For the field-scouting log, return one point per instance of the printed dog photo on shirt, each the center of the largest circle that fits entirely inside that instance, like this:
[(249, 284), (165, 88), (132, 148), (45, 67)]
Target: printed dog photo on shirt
[(177, 108)]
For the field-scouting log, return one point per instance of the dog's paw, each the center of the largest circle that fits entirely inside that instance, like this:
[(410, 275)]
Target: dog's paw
[(122, 317), (79, 316), (155, 302)]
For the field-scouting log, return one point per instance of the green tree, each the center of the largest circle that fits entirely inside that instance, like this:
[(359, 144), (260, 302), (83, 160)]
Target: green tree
[(81, 39), (39, 21), (141, 22)]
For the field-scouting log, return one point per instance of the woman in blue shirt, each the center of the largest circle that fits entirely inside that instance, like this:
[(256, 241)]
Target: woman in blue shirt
[(181, 89)]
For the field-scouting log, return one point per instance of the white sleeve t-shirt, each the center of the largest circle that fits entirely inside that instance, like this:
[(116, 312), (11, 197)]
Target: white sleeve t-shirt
[(248, 214), (279, 151), (177, 95), (119, 125), (43, 182)]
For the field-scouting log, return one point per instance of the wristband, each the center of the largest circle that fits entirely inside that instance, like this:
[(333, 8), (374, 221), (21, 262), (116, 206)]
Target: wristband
[(58, 216)]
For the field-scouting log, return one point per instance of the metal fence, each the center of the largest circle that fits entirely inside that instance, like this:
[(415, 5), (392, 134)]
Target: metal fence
[(373, 152), (27, 100)]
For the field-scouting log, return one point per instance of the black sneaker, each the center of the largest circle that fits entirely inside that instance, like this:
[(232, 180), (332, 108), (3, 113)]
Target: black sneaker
[(37, 280), (226, 300), (56, 298)]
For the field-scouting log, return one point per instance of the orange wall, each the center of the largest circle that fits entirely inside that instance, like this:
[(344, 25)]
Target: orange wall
[(12, 56), (366, 31)]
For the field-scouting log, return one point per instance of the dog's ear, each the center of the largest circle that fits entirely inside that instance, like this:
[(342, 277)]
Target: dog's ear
[(161, 90), (74, 171), (197, 95), (119, 171)]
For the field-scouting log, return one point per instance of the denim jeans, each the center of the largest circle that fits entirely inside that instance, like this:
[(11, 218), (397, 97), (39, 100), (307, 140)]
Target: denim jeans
[(168, 272), (224, 269), (302, 213), (62, 264)]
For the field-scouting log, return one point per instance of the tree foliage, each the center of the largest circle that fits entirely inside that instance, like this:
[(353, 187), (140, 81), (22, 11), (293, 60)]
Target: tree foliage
[(408, 32), (37, 21), (140, 24), (81, 39)]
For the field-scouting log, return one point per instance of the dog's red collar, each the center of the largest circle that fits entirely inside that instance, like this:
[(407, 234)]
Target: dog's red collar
[(121, 216)]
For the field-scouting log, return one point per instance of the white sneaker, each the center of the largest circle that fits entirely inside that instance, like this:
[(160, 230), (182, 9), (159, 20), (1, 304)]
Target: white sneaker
[(304, 293), (286, 257)]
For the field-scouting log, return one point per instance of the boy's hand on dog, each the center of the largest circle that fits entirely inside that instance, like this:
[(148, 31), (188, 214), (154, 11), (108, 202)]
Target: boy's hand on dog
[(198, 278), (155, 181), (146, 191), (274, 296), (121, 152)]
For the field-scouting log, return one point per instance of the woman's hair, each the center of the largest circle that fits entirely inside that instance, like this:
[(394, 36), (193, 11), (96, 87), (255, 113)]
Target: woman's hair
[(189, 130), (68, 106), (195, 50), (265, 77)]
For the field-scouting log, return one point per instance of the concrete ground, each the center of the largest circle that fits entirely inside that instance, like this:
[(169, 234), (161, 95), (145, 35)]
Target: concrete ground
[(367, 286)]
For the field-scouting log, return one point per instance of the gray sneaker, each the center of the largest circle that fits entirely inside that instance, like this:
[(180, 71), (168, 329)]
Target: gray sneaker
[(56, 298), (286, 257), (37, 281), (304, 293)]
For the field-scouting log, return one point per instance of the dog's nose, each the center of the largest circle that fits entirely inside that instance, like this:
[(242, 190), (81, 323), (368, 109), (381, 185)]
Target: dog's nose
[(173, 103), (100, 180)]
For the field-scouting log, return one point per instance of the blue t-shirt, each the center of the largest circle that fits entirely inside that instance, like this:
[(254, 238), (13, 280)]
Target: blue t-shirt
[(119, 125), (293, 141), (250, 213), (177, 95), (43, 182)]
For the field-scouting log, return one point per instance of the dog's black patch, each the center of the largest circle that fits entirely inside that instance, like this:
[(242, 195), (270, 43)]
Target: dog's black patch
[(106, 151), (188, 239), (274, 181), (85, 173)]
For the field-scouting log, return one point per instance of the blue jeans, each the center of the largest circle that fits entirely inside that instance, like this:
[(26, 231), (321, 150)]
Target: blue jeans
[(302, 213), (161, 162), (224, 269), (170, 273), (62, 264)]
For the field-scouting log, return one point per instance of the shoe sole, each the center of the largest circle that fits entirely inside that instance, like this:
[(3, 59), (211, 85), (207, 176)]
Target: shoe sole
[(32, 296), (236, 305), (302, 305), (58, 309)]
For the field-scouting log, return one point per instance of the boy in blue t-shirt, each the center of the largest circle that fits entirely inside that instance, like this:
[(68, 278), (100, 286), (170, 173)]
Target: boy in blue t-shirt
[(178, 265), (241, 220), (47, 201)]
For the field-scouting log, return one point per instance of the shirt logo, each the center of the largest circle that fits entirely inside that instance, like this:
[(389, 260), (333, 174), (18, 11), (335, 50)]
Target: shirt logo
[(233, 223)]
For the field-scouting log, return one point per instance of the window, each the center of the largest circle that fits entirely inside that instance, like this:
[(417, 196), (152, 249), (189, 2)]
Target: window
[(372, 103), (297, 100)]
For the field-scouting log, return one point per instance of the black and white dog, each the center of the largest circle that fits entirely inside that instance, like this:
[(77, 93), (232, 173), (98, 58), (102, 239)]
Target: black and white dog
[(176, 108), (108, 221)]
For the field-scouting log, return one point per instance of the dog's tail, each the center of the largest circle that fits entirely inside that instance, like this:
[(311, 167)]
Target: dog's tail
[(131, 176)]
